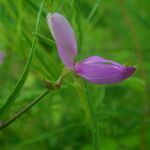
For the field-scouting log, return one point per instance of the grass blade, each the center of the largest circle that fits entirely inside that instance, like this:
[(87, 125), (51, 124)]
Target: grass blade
[(9, 122), (14, 94)]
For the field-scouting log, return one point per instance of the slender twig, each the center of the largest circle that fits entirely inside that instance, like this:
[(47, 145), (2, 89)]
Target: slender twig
[(24, 110), (14, 94)]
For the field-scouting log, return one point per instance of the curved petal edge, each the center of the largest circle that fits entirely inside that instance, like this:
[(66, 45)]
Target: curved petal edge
[(98, 70), (64, 37)]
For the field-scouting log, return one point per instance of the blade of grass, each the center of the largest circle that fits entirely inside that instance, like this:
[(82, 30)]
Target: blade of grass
[(29, 106), (12, 97)]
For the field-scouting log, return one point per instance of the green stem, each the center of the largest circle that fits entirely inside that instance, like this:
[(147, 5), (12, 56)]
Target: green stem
[(14, 94), (49, 41), (36, 7), (29, 106), (95, 126)]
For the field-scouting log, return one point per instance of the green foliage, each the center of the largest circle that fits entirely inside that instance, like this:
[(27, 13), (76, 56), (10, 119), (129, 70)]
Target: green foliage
[(117, 30)]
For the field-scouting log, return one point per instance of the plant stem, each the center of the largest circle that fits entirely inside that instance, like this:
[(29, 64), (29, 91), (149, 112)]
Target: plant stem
[(36, 7), (95, 126), (14, 94), (49, 41), (19, 114)]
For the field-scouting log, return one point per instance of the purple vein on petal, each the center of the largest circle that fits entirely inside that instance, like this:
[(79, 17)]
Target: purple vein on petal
[(64, 37)]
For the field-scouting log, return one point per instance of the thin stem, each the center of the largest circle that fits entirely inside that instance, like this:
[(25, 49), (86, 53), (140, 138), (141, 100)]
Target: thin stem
[(49, 41), (19, 114), (95, 126), (36, 7), (14, 94)]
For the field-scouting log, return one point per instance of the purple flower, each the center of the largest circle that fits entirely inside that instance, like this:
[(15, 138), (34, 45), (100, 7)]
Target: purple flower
[(95, 69), (1, 57)]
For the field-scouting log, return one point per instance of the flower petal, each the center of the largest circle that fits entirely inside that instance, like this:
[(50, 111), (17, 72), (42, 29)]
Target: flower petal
[(64, 37), (98, 59), (102, 71)]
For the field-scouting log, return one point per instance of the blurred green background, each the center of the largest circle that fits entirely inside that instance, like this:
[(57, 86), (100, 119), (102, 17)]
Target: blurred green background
[(113, 29)]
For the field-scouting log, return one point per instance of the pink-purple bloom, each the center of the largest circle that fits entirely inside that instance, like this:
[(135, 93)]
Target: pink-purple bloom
[(1, 57), (95, 69)]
